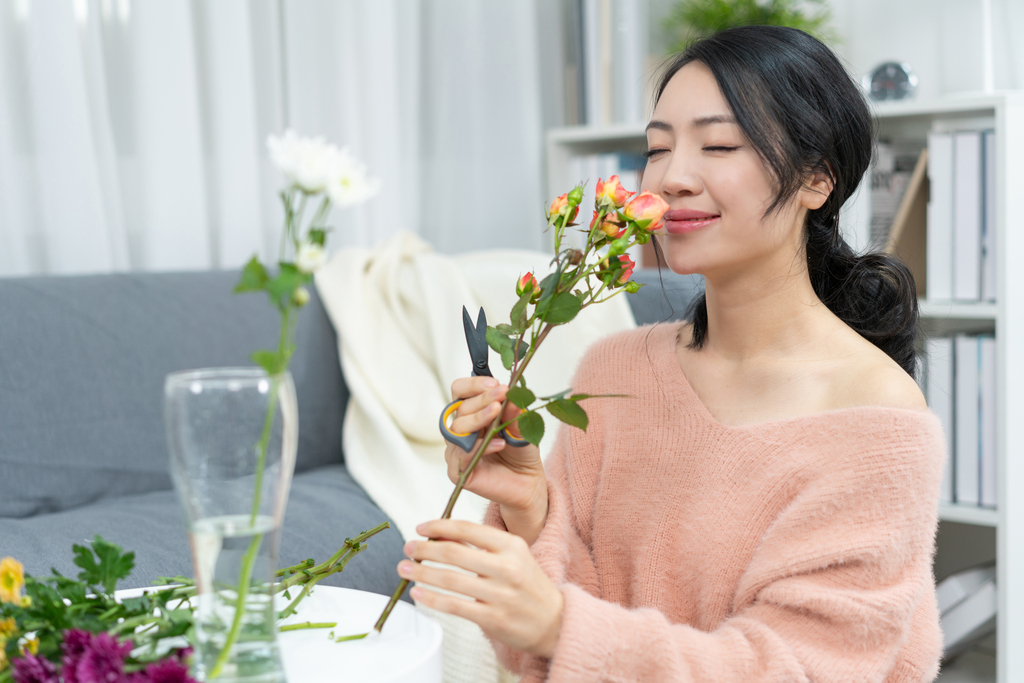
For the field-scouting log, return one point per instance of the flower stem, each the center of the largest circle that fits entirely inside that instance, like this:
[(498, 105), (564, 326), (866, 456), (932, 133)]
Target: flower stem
[(243, 592), (308, 624)]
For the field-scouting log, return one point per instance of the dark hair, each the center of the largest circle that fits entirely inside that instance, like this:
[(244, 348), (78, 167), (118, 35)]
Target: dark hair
[(803, 114)]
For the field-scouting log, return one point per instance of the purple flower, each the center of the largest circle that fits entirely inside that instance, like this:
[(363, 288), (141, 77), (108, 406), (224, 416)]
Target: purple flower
[(33, 669), (102, 661), (76, 642), (168, 670)]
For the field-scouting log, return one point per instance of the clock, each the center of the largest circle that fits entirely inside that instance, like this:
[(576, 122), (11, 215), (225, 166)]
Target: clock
[(890, 81)]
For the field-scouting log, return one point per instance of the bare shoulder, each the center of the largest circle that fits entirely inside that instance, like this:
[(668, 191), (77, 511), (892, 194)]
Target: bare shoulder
[(872, 378)]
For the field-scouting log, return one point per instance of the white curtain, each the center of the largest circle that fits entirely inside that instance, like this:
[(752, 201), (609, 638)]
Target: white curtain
[(132, 131)]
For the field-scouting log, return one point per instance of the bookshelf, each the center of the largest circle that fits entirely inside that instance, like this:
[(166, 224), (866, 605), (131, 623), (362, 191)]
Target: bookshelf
[(907, 124)]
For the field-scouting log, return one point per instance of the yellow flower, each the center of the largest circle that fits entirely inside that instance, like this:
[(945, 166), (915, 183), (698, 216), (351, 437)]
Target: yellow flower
[(29, 645), (12, 580)]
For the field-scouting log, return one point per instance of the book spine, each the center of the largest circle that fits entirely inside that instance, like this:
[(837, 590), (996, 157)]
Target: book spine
[(939, 249), (965, 366), (988, 225), (987, 412), (967, 211), (939, 393)]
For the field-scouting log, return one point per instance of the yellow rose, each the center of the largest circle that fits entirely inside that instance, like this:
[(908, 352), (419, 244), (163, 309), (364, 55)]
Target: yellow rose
[(29, 645), (12, 580)]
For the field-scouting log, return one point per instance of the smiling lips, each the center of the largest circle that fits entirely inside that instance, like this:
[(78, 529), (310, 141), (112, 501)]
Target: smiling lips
[(679, 221)]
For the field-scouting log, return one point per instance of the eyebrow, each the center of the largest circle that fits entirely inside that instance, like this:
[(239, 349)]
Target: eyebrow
[(700, 122)]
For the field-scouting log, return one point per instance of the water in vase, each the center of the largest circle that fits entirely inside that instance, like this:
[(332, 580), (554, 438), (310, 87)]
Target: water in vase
[(230, 551)]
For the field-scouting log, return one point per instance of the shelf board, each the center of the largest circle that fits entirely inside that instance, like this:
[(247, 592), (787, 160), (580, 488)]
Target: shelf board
[(590, 134), (958, 310), (968, 514)]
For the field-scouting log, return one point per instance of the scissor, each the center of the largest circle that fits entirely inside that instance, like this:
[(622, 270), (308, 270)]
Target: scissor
[(476, 340)]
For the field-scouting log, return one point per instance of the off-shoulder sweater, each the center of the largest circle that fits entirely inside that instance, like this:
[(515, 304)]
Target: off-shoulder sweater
[(689, 550)]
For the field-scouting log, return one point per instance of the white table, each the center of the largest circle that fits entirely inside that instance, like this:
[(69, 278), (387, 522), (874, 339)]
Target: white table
[(408, 650)]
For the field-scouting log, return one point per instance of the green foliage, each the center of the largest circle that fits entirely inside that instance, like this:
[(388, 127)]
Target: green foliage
[(518, 316), (254, 277), (562, 309), (531, 426), (690, 20), (569, 412), (521, 397), (506, 346), (271, 361), (104, 564)]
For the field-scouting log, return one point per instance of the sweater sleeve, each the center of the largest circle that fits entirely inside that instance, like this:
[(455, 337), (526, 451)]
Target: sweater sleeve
[(839, 589)]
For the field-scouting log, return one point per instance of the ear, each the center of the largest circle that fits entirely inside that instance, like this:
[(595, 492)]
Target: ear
[(816, 190)]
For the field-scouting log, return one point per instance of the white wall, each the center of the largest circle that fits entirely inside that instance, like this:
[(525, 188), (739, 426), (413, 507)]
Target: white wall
[(940, 39)]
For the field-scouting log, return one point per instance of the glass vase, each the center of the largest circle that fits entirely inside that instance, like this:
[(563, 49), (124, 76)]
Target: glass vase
[(232, 435)]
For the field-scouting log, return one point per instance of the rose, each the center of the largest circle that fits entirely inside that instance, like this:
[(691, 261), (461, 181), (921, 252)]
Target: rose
[(608, 226), (311, 257), (616, 270), (560, 207), (528, 283), (610, 194), (645, 210)]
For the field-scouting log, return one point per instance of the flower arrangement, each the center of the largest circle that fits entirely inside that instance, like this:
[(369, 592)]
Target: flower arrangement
[(581, 278), (58, 629)]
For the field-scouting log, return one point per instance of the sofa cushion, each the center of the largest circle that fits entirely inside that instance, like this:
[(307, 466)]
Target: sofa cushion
[(325, 506), (82, 366), (665, 295)]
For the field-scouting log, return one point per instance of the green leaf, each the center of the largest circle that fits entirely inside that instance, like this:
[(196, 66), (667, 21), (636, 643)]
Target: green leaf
[(521, 396), (112, 564), (287, 281), (555, 397), (268, 360), (570, 413), (506, 330), (562, 309), (317, 236), (518, 316), (497, 340), (254, 277), (531, 426), (507, 357), (547, 288)]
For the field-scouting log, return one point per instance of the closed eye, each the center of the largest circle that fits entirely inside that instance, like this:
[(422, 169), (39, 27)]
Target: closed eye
[(647, 154), (721, 149)]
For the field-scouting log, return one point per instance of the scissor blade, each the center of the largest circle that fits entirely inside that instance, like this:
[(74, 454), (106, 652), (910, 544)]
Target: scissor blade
[(476, 340)]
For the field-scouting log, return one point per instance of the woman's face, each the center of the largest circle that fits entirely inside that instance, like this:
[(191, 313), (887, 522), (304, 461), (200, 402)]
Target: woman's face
[(716, 185)]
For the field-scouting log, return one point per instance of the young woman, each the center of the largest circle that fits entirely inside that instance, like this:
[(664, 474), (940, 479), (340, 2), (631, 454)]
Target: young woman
[(763, 506)]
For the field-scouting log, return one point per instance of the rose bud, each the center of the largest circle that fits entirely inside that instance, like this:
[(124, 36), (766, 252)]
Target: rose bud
[(627, 269), (526, 284), (633, 287), (575, 257), (561, 206), (609, 226), (646, 210), (610, 193)]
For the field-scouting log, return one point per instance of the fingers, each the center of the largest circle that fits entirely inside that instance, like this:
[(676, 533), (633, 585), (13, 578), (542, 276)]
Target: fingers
[(481, 402), (450, 552), (484, 537)]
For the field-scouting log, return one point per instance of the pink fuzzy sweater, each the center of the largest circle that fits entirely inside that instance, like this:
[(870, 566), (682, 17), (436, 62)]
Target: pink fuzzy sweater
[(687, 550)]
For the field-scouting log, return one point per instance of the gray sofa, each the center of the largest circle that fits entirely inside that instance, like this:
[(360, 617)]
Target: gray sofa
[(82, 445)]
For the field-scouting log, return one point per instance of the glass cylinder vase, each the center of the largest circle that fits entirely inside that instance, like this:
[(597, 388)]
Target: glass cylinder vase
[(232, 435)]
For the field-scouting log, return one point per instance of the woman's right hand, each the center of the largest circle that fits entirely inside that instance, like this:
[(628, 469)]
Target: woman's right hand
[(512, 477)]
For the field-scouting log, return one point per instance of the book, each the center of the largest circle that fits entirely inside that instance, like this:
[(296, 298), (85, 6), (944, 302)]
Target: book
[(965, 426), (987, 377), (939, 394), (940, 216), (967, 211), (988, 222)]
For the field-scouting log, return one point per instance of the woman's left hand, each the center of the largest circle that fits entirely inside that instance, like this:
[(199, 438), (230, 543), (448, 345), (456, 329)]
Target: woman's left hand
[(515, 601)]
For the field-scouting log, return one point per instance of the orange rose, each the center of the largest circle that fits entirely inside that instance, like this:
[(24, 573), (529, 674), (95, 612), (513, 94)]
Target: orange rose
[(528, 283), (608, 225), (560, 207), (610, 193), (646, 210), (627, 269)]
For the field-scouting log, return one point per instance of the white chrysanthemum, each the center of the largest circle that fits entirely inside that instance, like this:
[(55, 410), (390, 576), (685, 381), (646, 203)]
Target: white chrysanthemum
[(310, 258), (350, 184), (307, 163)]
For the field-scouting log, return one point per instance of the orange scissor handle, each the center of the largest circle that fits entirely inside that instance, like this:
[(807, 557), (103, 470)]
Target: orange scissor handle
[(466, 441)]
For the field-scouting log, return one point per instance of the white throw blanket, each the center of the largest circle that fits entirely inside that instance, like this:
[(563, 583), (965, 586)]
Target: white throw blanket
[(398, 313)]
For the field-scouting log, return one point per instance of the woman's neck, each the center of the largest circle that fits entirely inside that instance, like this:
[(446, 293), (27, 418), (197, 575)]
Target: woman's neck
[(757, 316)]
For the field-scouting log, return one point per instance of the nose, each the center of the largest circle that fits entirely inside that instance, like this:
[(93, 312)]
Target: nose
[(681, 178)]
